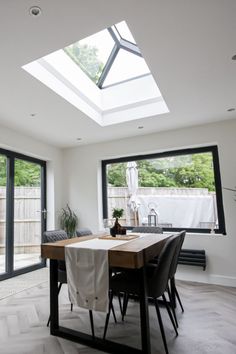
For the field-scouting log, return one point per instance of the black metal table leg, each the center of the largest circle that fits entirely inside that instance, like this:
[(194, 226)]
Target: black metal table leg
[(54, 324), (92, 341), (144, 316)]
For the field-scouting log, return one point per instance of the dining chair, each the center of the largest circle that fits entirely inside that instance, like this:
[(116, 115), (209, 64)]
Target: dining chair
[(58, 235), (85, 231), (139, 229), (172, 290), (157, 282)]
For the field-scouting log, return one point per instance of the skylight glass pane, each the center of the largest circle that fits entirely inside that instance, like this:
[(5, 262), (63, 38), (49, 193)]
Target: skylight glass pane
[(126, 66), (125, 32), (92, 53)]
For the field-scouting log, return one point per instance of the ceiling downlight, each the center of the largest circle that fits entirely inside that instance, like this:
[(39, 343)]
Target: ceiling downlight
[(35, 11)]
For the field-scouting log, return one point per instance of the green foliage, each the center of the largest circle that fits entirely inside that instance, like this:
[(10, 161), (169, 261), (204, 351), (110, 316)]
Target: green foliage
[(3, 171), (117, 213), (87, 58), (68, 221), (117, 174), (187, 171), (27, 174)]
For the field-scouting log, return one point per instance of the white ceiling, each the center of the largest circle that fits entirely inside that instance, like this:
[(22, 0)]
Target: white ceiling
[(188, 46)]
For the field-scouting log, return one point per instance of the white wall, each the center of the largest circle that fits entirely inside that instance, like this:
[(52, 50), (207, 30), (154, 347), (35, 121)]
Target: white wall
[(82, 189), (14, 141)]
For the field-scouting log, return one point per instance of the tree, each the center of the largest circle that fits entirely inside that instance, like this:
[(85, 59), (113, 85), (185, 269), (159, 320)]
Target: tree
[(86, 56), (3, 170), (117, 175), (26, 173), (183, 171)]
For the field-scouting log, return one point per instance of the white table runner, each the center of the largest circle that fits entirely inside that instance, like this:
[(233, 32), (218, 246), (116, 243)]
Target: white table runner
[(88, 272)]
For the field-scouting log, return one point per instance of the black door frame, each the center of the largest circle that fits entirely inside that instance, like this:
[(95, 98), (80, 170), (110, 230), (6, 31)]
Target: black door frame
[(9, 254)]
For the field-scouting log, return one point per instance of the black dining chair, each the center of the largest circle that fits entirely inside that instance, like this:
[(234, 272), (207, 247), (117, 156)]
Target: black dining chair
[(172, 290), (139, 229), (157, 282), (83, 231), (58, 235)]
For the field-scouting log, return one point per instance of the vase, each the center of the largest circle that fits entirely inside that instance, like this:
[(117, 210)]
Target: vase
[(117, 229)]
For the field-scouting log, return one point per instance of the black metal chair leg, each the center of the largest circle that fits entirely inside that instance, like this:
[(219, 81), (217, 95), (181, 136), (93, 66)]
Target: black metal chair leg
[(125, 305), (172, 305), (58, 291), (49, 320), (177, 295), (113, 312), (71, 307), (161, 326), (108, 315), (119, 299), (91, 322), (170, 314)]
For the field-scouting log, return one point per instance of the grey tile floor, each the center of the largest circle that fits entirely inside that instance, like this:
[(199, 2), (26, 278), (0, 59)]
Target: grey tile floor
[(207, 325)]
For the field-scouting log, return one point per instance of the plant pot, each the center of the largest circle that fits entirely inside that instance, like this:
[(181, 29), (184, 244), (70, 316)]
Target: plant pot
[(117, 229)]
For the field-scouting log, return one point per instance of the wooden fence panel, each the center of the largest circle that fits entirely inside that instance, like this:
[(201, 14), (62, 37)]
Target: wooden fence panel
[(27, 217)]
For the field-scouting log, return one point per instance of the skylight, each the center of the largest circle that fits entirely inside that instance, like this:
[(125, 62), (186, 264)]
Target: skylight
[(104, 76), (109, 56)]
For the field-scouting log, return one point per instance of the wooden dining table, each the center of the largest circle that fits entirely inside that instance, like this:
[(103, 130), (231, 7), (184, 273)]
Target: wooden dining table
[(133, 254)]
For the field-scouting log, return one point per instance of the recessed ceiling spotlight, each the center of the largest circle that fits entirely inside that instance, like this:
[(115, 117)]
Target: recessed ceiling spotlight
[(140, 127), (230, 109), (32, 115), (35, 11), (78, 139), (234, 57)]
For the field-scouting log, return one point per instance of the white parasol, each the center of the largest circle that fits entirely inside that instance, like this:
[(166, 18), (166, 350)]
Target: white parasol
[(132, 183)]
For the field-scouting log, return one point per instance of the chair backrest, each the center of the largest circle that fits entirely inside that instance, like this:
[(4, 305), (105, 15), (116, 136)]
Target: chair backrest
[(54, 235), (174, 264), (83, 232), (157, 284), (148, 229)]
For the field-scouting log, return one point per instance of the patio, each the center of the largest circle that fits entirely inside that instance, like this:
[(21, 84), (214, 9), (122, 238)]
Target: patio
[(21, 260)]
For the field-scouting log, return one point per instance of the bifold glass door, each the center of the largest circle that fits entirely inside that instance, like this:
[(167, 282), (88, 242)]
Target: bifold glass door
[(27, 213), (22, 213)]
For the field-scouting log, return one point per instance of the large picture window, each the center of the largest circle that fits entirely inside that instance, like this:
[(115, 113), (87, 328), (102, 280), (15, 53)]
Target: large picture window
[(175, 190)]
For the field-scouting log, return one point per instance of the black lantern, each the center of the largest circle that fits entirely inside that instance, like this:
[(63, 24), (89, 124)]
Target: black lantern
[(152, 218)]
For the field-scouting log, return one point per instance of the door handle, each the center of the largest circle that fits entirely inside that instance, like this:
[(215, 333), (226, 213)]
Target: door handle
[(44, 212)]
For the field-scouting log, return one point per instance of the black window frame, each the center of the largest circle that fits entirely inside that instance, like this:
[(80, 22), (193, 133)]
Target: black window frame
[(218, 186)]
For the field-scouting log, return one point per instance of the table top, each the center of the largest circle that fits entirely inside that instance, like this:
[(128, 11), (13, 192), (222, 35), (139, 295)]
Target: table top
[(132, 254)]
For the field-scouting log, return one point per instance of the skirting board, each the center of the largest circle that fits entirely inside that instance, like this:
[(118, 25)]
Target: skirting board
[(200, 276)]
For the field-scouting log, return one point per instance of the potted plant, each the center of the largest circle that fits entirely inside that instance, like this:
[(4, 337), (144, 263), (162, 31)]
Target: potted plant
[(68, 221), (117, 213), (117, 228)]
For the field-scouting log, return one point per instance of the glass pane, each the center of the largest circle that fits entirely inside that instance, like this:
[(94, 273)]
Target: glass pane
[(126, 66), (180, 189), (27, 214), (3, 181), (124, 32), (92, 53)]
